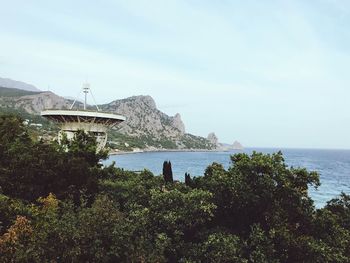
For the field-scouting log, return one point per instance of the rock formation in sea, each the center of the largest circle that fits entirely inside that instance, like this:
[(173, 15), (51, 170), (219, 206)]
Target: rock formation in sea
[(237, 146), (212, 138)]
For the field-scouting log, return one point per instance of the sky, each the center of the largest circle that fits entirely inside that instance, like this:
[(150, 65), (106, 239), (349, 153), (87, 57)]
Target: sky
[(265, 73)]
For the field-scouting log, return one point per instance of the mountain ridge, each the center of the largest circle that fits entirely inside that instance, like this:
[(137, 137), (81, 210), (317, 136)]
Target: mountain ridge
[(10, 83), (146, 126)]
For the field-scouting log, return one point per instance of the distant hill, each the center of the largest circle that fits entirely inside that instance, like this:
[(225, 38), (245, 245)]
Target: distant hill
[(14, 84), (12, 92)]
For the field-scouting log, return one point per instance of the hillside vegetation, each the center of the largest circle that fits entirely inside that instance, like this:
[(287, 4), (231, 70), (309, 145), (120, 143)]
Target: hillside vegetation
[(59, 204)]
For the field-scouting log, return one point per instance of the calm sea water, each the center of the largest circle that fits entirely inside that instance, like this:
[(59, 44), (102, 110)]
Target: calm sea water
[(332, 165)]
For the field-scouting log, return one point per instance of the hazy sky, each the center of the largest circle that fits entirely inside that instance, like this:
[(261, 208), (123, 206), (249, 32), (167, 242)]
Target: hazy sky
[(267, 73)]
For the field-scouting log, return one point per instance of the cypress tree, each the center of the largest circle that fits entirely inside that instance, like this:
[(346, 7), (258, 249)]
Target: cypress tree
[(167, 172), (188, 180), (171, 179), (164, 170)]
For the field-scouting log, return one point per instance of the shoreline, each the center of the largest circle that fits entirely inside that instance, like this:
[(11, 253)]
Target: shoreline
[(167, 150), (112, 152)]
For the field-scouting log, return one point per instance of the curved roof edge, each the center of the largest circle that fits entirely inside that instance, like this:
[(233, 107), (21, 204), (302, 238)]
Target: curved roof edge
[(93, 114)]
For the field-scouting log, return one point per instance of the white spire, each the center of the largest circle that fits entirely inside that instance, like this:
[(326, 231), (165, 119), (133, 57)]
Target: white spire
[(86, 89)]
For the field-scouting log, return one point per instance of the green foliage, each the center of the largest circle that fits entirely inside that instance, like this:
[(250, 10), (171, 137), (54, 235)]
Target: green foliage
[(58, 204), (259, 189), (129, 189), (177, 216), (9, 209), (31, 169), (177, 212), (61, 232), (117, 140), (195, 142), (221, 247), (124, 142), (48, 128), (260, 247), (340, 207), (165, 143), (266, 203), (84, 147)]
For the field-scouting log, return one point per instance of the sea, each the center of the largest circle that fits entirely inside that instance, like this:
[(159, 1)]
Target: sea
[(333, 166)]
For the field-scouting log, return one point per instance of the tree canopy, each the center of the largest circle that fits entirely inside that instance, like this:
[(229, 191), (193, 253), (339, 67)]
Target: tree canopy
[(59, 204)]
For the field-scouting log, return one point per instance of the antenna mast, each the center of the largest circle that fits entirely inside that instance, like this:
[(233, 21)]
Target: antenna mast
[(86, 88)]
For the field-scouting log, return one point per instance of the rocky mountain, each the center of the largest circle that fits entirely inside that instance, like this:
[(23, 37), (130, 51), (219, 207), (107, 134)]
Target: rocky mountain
[(143, 118), (35, 103), (9, 83), (153, 128), (146, 127), (237, 146), (213, 139)]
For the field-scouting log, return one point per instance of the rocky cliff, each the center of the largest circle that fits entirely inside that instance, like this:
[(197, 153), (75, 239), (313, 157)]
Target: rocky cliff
[(31, 102), (237, 146), (213, 139), (143, 118), (34, 104)]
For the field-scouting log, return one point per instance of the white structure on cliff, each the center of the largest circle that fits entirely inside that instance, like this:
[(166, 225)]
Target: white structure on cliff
[(95, 122)]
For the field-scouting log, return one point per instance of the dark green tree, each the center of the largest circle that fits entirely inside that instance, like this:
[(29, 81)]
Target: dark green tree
[(30, 169), (188, 180), (167, 172)]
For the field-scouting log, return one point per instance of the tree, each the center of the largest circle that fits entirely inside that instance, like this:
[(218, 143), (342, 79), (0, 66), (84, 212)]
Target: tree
[(261, 190), (30, 169), (188, 180), (340, 207), (220, 247), (178, 217), (167, 172), (257, 210)]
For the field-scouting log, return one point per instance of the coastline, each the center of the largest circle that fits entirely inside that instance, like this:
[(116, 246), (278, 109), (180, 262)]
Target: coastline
[(166, 150)]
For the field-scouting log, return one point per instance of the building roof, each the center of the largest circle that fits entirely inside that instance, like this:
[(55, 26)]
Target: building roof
[(98, 117)]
